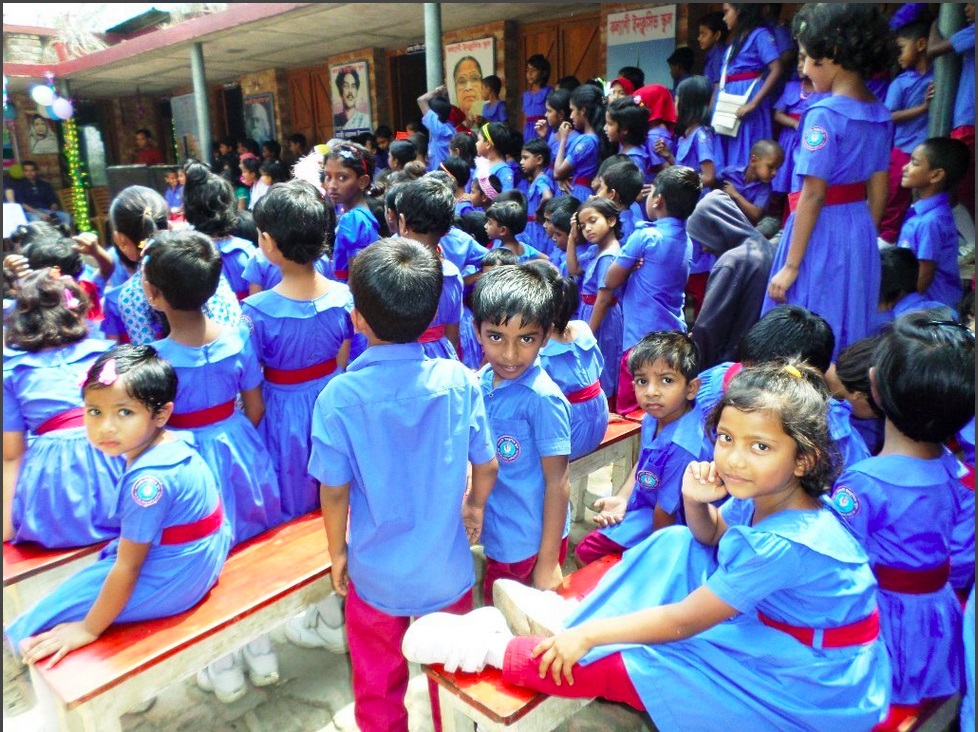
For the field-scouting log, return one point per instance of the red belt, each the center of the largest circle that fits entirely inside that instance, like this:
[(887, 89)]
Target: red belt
[(794, 115), (241, 295), (743, 75), (834, 195), (912, 581), (64, 421), (591, 299), (201, 418), (434, 333), (855, 634), (582, 181), (343, 274), (583, 395), (186, 533), (300, 376)]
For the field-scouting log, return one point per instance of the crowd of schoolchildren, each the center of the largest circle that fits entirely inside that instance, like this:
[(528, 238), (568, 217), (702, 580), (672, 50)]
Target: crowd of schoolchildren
[(416, 332)]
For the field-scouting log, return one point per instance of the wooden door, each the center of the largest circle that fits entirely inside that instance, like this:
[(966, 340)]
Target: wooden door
[(309, 103), (407, 77), (321, 107), (580, 49)]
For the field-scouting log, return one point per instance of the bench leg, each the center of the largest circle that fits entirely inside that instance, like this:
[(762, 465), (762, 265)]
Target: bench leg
[(83, 718), (578, 495)]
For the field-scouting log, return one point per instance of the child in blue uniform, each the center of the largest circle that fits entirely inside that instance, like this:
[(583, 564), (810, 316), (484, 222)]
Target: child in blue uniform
[(407, 505), (300, 330), (505, 224), (620, 181), (548, 128), (663, 365), (491, 140), (903, 503), (627, 125), (347, 172), (537, 90), (573, 359), (750, 185), (898, 287), (435, 111), (173, 538), (712, 38), (848, 379), (658, 103), (828, 258), (527, 519), (761, 613), (538, 188), (576, 163), (58, 489)]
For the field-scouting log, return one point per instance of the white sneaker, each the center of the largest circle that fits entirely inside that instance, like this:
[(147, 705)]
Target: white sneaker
[(261, 662), (310, 630), (529, 611), (459, 642), (225, 678)]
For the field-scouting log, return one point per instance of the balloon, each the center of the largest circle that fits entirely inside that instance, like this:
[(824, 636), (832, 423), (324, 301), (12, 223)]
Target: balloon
[(49, 113), (62, 108), (44, 111), (15, 172), (9, 112), (42, 95)]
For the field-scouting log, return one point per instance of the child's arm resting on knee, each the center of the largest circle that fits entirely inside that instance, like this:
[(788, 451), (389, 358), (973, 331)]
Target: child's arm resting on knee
[(335, 505), (546, 572), (115, 593)]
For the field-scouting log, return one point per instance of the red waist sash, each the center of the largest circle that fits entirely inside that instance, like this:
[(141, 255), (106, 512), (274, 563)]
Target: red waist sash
[(202, 417), (582, 181), (534, 118), (433, 333), (186, 533), (342, 274), (835, 195), (743, 76), (794, 115), (912, 581), (582, 395), (64, 421), (855, 634), (300, 376), (591, 299)]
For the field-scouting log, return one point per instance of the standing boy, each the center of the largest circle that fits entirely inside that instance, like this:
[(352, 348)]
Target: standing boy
[(494, 109), (539, 188), (403, 503), (526, 519)]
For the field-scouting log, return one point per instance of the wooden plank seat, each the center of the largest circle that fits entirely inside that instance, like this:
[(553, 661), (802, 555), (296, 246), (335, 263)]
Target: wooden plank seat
[(485, 699), (619, 448), (266, 581)]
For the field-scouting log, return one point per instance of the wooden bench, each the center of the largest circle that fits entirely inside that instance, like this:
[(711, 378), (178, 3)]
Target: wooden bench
[(31, 571), (266, 581), (619, 448), (485, 699)]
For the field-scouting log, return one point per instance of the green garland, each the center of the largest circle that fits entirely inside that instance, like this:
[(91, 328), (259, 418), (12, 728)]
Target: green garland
[(78, 175)]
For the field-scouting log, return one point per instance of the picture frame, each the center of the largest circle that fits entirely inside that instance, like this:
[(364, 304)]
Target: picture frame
[(259, 117), (350, 99)]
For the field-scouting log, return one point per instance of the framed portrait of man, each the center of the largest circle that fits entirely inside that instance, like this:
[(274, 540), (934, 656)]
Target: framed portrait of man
[(259, 117), (350, 94)]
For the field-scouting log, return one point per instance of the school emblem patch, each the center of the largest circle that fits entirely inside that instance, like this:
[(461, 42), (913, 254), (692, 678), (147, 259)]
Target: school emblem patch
[(845, 501), (815, 138), (508, 448), (647, 479), (147, 491), (247, 322)]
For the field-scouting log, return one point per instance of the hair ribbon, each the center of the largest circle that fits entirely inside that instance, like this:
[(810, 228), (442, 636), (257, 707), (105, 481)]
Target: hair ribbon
[(109, 375), (485, 131), (792, 371)]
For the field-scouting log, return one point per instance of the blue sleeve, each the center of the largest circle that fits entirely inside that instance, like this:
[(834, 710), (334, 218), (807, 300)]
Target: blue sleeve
[(895, 93), (506, 178), (964, 40), (454, 288), (329, 459), (252, 272), (481, 447), (634, 247), (930, 238), (251, 373), (766, 46), (857, 499), (753, 565), (704, 145), (584, 147), (671, 492), (820, 145), (601, 269), (13, 419), (502, 112), (550, 423), (146, 497)]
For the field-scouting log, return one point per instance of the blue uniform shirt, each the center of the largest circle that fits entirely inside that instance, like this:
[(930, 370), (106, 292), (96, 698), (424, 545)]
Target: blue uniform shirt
[(908, 90), (929, 231), (964, 102), (439, 135)]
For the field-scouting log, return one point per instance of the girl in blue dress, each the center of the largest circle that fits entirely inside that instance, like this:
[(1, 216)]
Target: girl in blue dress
[(535, 97), (300, 330), (765, 608), (573, 359), (658, 104), (173, 538), (712, 38), (627, 125), (576, 164), (904, 503), (491, 139), (548, 128), (750, 65), (828, 260), (58, 489)]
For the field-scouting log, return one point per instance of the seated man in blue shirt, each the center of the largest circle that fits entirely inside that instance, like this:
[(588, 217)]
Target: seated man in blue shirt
[(37, 197)]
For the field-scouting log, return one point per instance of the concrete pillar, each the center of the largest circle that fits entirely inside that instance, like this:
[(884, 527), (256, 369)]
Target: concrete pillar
[(947, 72), (434, 65), (200, 102)]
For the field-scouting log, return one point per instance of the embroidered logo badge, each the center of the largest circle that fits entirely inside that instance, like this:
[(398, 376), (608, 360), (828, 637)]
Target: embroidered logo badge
[(647, 479), (845, 501), (815, 138), (507, 448), (247, 322), (147, 491)]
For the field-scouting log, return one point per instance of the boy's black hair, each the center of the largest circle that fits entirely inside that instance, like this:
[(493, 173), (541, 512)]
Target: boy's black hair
[(949, 155), (559, 101), (185, 266), (852, 368), (562, 210), (494, 83), (209, 203), (854, 35), (500, 257), (374, 204), (765, 147), (403, 151), (512, 143), (681, 57), (513, 194), (538, 148), (568, 83), (786, 332), (915, 31), (427, 205), (273, 146), (245, 228), (300, 139), (504, 293), (604, 206), (57, 252), (384, 131), (924, 376), (678, 350), (508, 213), (680, 187), (458, 169), (297, 219), (567, 296), (440, 105), (42, 318), (693, 103), (274, 169), (396, 284), (899, 271), (251, 145), (363, 138), (539, 62), (473, 223), (625, 178), (634, 74), (148, 378), (420, 141), (464, 142), (714, 21), (632, 120)]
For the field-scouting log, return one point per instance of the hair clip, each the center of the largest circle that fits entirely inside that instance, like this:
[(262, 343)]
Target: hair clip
[(792, 371), (71, 302), (442, 166), (144, 243), (485, 132), (109, 375), (322, 149)]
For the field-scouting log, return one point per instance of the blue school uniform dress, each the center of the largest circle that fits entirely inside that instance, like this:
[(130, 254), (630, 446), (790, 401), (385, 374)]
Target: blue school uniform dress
[(467, 254), (713, 65), (929, 231), (119, 273), (529, 419), (907, 304), (903, 510), (439, 135), (576, 368), (640, 156), (209, 380), (259, 271), (502, 170), (963, 531), (534, 105), (235, 253), (653, 296), (794, 104), (659, 475), (610, 332), (553, 141), (434, 341), (756, 192), (795, 568), (844, 142), (968, 698), (534, 233), (495, 111), (628, 217), (296, 342), (355, 230), (653, 158), (908, 89), (850, 444), (692, 150), (66, 490), (463, 207), (404, 501), (168, 499), (747, 67), (963, 43), (112, 325), (583, 157)]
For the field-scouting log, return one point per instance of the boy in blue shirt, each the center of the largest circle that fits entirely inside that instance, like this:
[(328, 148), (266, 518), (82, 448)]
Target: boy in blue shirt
[(406, 498), (435, 112), (750, 186), (936, 165), (622, 182), (526, 520), (494, 109), (653, 297)]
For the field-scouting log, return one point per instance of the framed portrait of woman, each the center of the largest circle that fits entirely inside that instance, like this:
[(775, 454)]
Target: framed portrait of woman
[(466, 63)]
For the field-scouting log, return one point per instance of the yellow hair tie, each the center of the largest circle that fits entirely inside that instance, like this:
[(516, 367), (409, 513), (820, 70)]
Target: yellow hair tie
[(321, 149), (792, 371), (485, 131), (143, 244)]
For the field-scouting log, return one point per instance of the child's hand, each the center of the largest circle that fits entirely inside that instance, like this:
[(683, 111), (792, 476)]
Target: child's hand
[(929, 94), (563, 132), (662, 150), (781, 282), (729, 189), (339, 575), (744, 110), (559, 654), (541, 128), (57, 642), (472, 517), (441, 90), (702, 484), (86, 243), (611, 510), (547, 578), (17, 265)]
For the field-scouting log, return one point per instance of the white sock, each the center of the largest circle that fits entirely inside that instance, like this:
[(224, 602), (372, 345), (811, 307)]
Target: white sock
[(497, 650)]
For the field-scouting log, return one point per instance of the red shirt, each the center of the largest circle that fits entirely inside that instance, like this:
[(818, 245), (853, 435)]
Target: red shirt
[(151, 155)]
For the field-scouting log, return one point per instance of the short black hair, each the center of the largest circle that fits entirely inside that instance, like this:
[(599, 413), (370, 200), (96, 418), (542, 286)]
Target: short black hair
[(299, 139), (504, 293), (949, 155), (458, 169), (273, 146), (508, 213), (562, 210), (275, 169), (539, 148), (493, 82), (766, 146), (924, 375), (785, 332), (55, 251), (634, 74), (626, 179), (852, 368), (149, 379), (384, 131), (440, 105), (427, 205), (568, 83), (464, 143), (297, 218), (678, 350), (396, 285), (679, 186), (681, 57), (539, 62), (632, 120), (567, 298), (899, 272), (185, 266), (403, 151), (915, 31), (473, 223), (854, 35), (714, 22), (500, 257), (343, 72)]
